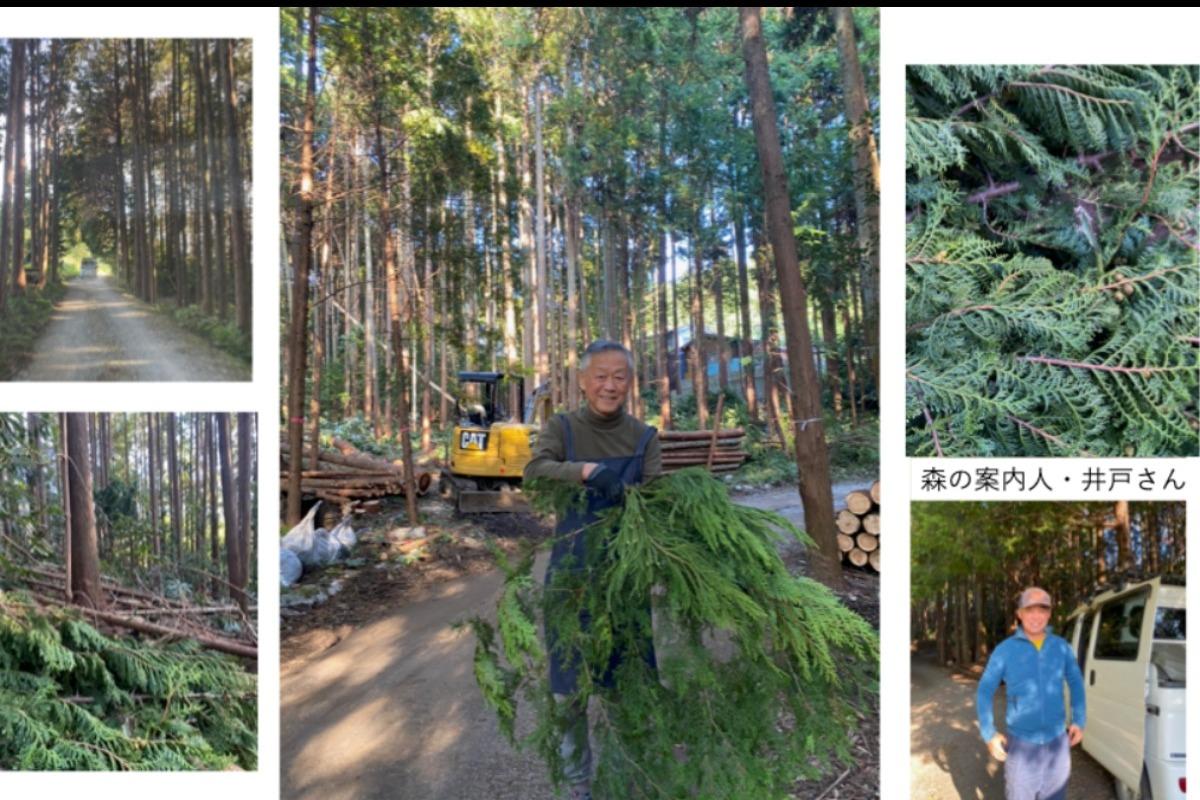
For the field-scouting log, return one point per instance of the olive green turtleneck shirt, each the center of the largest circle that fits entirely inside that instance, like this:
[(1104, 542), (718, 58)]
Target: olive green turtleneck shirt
[(595, 437)]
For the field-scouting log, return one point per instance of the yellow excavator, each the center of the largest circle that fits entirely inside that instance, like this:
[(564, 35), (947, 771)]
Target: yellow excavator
[(492, 443)]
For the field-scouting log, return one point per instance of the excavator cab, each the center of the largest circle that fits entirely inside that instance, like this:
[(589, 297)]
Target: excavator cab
[(492, 442)]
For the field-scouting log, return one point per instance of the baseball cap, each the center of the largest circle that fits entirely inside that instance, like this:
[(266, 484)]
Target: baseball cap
[(1034, 597)]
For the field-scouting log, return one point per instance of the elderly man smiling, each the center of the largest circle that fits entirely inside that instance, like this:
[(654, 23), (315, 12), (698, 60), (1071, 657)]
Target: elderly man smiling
[(606, 449), (1032, 664)]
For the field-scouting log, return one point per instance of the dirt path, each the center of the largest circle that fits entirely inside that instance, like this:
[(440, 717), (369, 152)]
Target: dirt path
[(949, 760), (389, 707), (393, 711), (99, 333)]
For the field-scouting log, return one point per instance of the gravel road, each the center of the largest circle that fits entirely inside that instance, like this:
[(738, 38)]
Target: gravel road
[(100, 333), (950, 761)]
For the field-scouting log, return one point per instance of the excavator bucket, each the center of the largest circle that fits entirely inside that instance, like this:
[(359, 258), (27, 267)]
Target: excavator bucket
[(468, 498)]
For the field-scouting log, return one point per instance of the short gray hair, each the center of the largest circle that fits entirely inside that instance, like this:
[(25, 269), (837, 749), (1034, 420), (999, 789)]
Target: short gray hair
[(604, 346)]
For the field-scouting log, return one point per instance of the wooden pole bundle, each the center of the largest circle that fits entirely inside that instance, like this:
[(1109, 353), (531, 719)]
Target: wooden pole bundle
[(345, 474), (858, 527), (716, 450)]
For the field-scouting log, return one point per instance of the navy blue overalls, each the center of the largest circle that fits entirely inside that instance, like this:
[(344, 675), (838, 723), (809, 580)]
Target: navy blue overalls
[(570, 546)]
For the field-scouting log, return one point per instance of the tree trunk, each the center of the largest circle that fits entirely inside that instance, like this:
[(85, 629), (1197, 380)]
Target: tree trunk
[(1124, 538), (511, 345), (240, 243), (574, 243), (204, 181), (229, 492), (718, 281), (36, 181), (866, 180), (391, 269), (298, 329), (176, 498), (541, 313), (84, 570), (152, 456), (245, 457), (217, 148), (55, 119), (18, 206), (811, 458), (143, 102), (746, 349), (213, 467), (830, 346), (8, 226), (697, 358)]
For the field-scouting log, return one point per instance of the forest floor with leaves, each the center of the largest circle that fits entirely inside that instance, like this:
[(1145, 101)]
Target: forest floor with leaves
[(99, 333), (950, 761), (378, 692), (378, 577)]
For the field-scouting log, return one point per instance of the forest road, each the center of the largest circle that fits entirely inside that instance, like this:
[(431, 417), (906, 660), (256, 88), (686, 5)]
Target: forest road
[(391, 708), (99, 333), (950, 761)]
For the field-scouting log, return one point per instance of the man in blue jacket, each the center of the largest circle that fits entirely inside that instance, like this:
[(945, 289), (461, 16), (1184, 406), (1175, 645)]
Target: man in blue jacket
[(1033, 663)]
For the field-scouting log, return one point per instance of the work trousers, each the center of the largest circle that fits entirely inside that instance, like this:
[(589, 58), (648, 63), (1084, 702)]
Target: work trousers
[(1037, 771), (575, 748)]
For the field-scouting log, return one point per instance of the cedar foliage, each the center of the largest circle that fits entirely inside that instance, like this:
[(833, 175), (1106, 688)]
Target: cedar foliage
[(1051, 260), (742, 725), (72, 698)]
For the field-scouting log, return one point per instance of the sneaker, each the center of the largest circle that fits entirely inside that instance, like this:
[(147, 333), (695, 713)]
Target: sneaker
[(580, 791)]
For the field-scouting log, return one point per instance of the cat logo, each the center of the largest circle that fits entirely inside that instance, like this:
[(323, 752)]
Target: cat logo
[(473, 440)]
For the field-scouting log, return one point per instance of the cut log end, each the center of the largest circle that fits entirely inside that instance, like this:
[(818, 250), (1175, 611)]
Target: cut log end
[(858, 502), (847, 521)]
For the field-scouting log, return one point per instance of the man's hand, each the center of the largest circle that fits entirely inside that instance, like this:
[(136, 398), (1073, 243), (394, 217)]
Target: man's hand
[(996, 747), (589, 468), (1074, 735), (606, 483)]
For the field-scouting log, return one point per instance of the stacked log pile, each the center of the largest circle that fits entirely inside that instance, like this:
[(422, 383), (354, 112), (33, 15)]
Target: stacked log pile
[(345, 474), (719, 451), (858, 528)]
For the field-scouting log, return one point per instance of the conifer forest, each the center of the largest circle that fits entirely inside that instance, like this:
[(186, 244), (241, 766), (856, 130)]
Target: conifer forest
[(128, 632), (126, 169), (1052, 263), (492, 189), (977, 557)]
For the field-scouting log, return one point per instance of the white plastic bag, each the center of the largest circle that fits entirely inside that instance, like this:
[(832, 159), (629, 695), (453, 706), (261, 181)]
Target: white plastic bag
[(290, 568), (301, 539), (325, 550), (344, 535)]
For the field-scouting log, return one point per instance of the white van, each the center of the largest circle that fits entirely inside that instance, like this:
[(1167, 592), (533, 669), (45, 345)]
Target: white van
[(1130, 642)]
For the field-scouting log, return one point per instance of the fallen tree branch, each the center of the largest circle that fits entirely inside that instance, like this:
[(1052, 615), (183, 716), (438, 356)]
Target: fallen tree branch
[(211, 642)]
